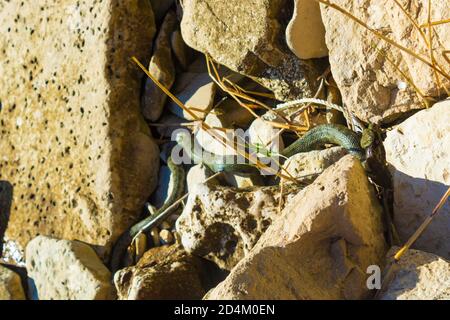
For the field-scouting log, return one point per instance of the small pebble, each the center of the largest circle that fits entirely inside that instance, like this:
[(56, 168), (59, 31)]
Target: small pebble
[(166, 237), (141, 246), (155, 236), (165, 225)]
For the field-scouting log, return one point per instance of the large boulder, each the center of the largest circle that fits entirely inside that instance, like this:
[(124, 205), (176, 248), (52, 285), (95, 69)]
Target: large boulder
[(366, 68), (418, 275), (245, 36), (320, 246), (74, 145), (67, 270), (418, 155)]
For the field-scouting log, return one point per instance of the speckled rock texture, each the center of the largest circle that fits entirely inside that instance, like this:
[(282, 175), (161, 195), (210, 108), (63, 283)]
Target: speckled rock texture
[(67, 270), (74, 145), (320, 246), (418, 155), (10, 285), (166, 272), (364, 66), (418, 275), (245, 36), (223, 224)]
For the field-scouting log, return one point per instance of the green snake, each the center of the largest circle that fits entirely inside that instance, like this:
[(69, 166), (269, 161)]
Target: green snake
[(313, 139), (177, 177)]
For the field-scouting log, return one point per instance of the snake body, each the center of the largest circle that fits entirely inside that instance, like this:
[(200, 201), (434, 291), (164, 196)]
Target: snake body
[(312, 140), (326, 134), (177, 177)]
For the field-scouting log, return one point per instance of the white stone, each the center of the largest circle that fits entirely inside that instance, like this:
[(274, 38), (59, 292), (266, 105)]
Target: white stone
[(418, 154), (67, 270), (418, 275)]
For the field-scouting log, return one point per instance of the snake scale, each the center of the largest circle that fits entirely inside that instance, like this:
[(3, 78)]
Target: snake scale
[(312, 140)]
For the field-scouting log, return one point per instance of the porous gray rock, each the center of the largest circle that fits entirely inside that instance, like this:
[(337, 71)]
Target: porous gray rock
[(223, 223)]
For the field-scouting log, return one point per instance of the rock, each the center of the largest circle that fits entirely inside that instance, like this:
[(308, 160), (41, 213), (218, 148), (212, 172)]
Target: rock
[(72, 133), (198, 174), (305, 167), (264, 135), (222, 224), (243, 36), (160, 8), (166, 272), (216, 140), (228, 114), (418, 275), (67, 270), (162, 68), (140, 245), (305, 34), (320, 246), (154, 233), (242, 182), (418, 156), (166, 237), (371, 86), (181, 51), (168, 124), (196, 91), (10, 285)]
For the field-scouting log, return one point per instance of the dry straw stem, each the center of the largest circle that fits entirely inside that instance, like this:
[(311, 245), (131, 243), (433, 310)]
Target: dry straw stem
[(424, 60)]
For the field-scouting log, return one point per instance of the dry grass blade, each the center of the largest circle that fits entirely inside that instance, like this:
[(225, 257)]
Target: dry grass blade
[(435, 23)]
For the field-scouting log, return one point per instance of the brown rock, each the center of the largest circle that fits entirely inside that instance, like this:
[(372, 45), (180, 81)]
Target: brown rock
[(196, 91), (72, 142), (10, 285), (371, 86), (166, 272), (321, 245), (243, 36), (162, 68), (180, 50), (223, 224)]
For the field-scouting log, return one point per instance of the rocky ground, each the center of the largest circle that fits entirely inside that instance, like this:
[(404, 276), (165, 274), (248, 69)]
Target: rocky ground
[(85, 136)]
